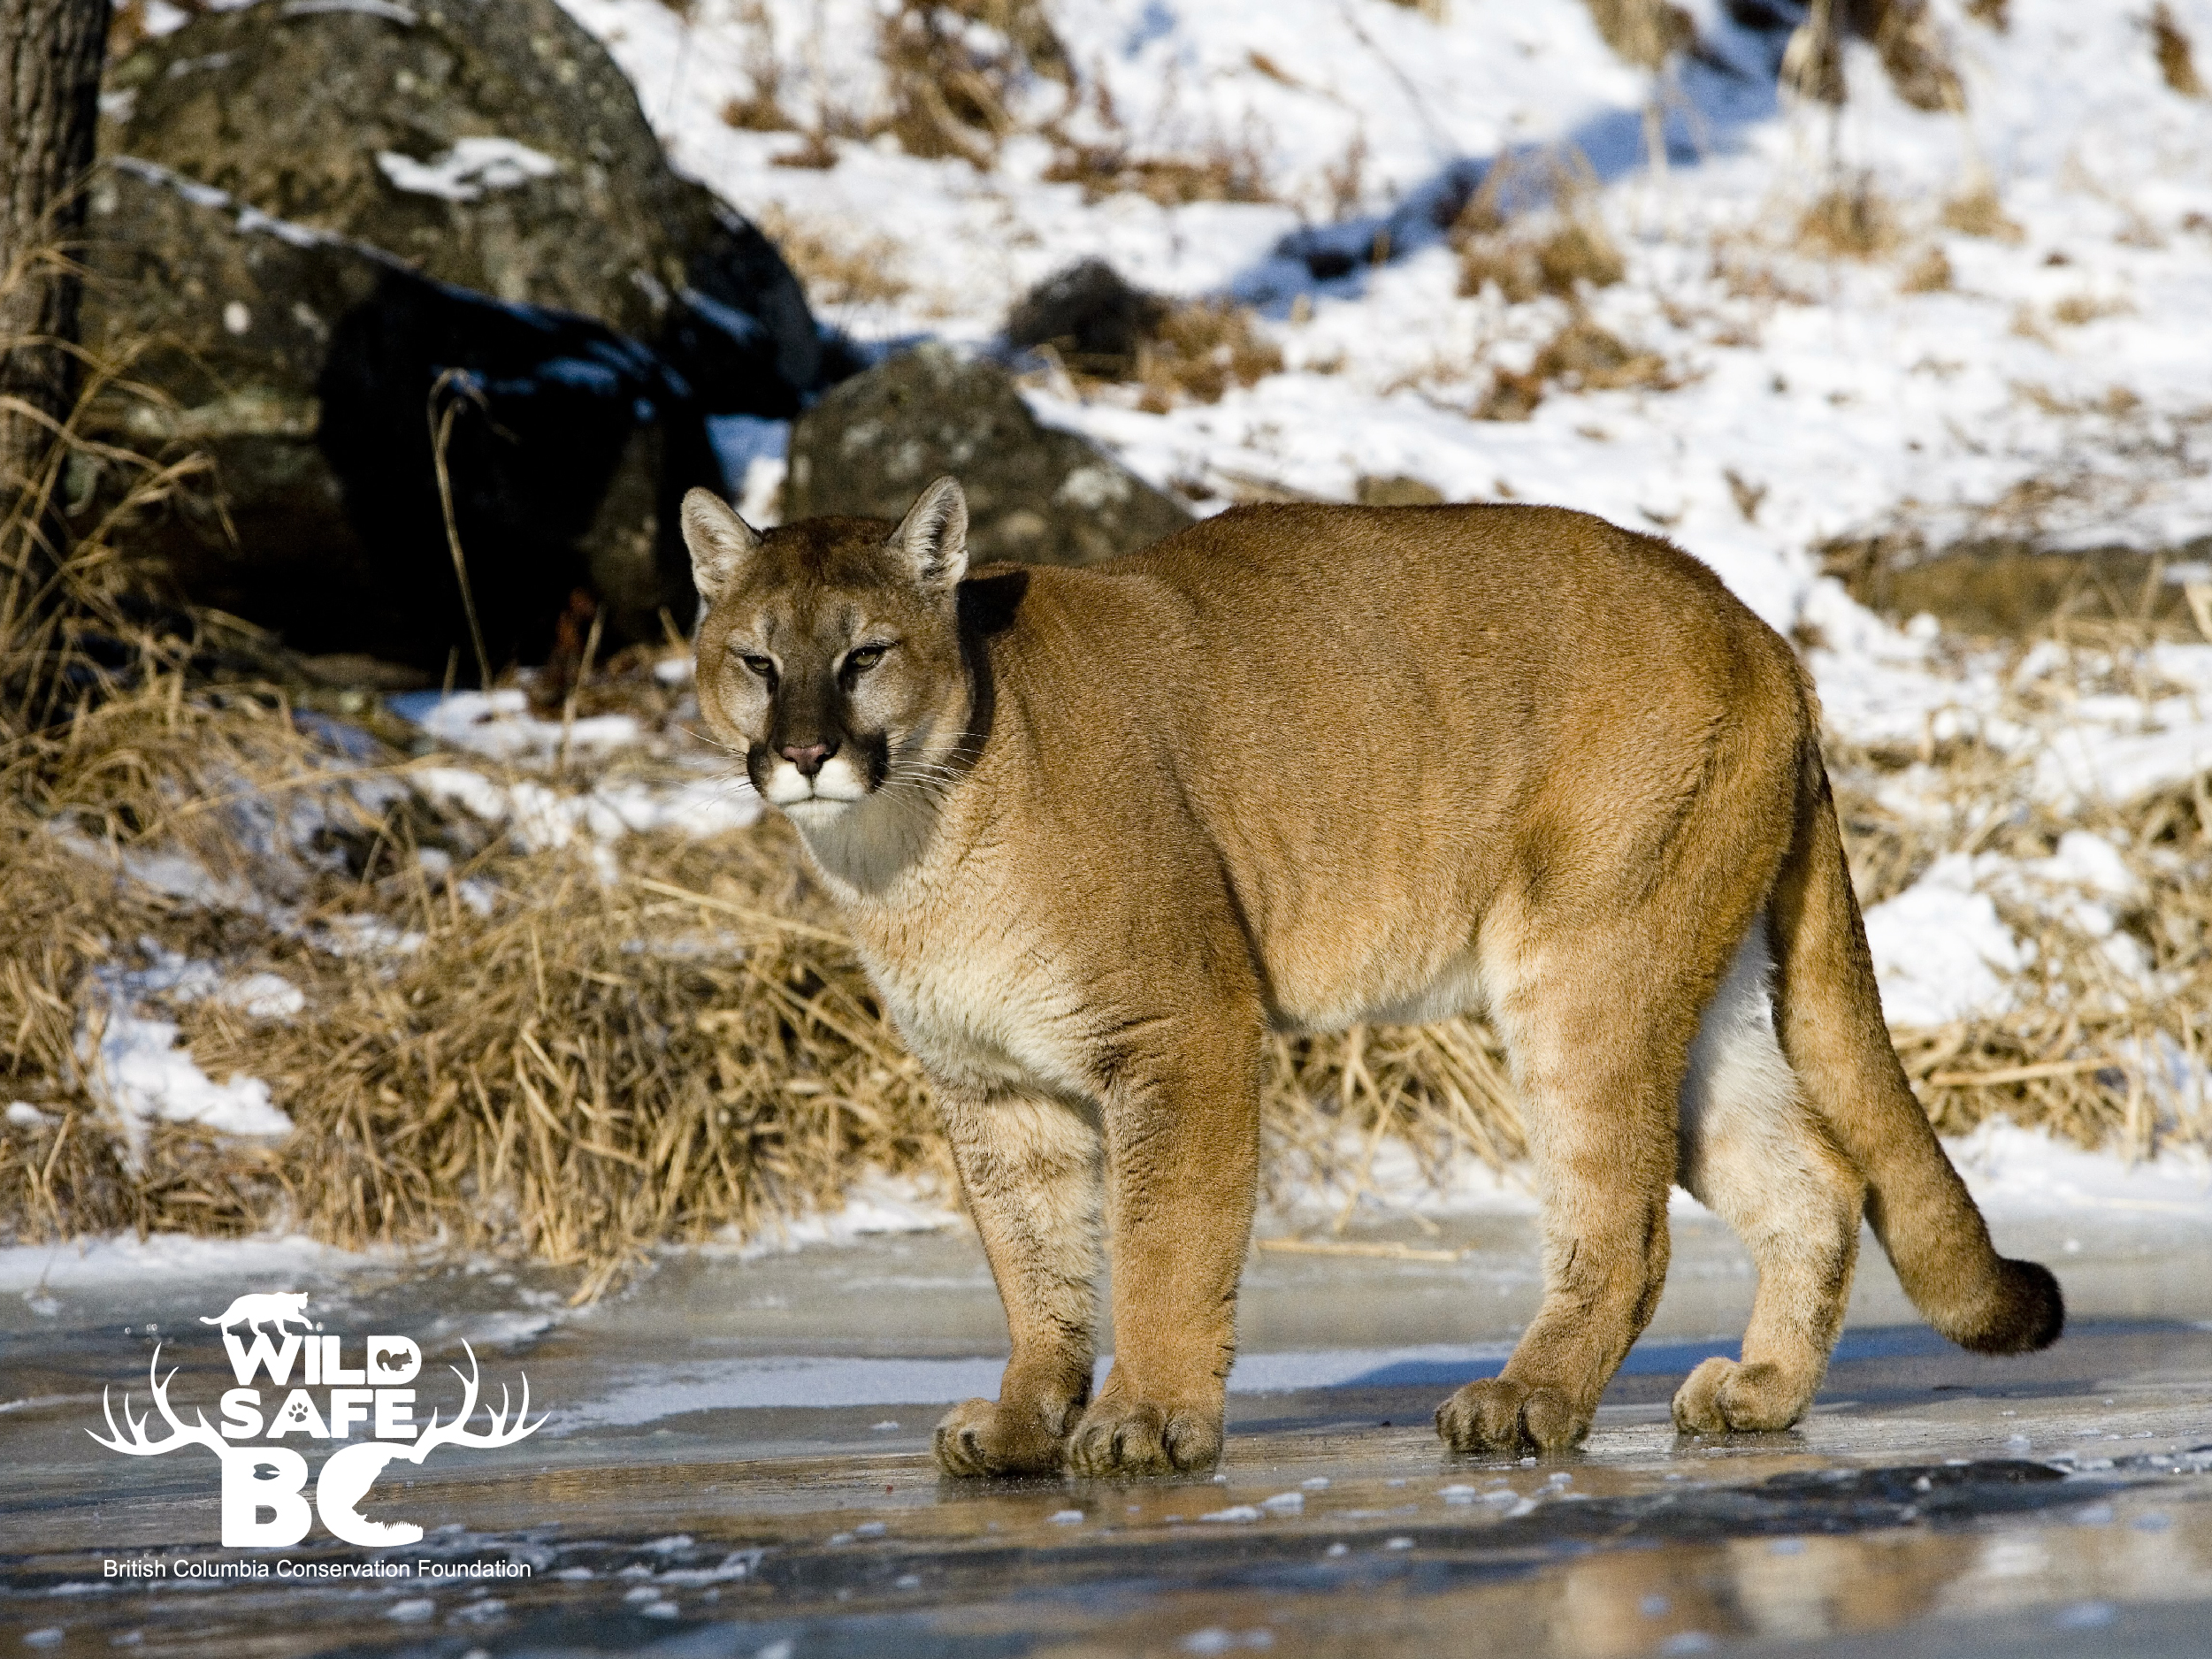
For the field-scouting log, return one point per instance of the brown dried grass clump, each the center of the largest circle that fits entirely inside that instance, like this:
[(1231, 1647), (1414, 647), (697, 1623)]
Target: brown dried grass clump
[(1645, 32), (1532, 228), (1219, 172), (1580, 357), (836, 270), (2176, 55), (1198, 351), (1930, 273), (1979, 210), (951, 88), (1852, 221), (1904, 35)]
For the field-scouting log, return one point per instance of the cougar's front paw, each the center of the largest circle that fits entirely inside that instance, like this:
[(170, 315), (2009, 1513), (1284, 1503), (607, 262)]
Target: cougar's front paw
[(1117, 1437), (1496, 1415), (1722, 1395), (980, 1437)]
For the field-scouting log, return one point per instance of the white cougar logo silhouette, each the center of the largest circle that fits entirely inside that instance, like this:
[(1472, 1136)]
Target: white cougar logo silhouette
[(280, 1308), (266, 1477)]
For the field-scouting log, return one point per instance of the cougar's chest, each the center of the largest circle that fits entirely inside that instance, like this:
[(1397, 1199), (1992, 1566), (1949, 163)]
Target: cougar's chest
[(984, 996)]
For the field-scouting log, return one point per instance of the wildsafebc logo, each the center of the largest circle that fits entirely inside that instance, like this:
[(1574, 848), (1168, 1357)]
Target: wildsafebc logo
[(265, 1481)]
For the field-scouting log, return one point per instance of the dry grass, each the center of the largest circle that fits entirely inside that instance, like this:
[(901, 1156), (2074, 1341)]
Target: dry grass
[(1218, 172), (2075, 310), (1580, 357), (1195, 352), (1930, 273), (836, 270), (953, 86), (1977, 211), (2176, 58), (1852, 221), (1532, 228)]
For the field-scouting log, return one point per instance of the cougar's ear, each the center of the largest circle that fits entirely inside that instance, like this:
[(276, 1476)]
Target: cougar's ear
[(933, 539), (721, 543)]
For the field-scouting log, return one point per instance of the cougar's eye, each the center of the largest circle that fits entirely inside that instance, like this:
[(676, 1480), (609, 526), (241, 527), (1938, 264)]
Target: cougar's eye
[(763, 667), (865, 658)]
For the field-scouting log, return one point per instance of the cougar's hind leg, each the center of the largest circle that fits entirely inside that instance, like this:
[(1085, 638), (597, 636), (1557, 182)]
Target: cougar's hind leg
[(1753, 1152), (1598, 1047), (1030, 1169)]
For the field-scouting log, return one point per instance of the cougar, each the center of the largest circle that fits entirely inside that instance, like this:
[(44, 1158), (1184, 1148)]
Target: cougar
[(1095, 831)]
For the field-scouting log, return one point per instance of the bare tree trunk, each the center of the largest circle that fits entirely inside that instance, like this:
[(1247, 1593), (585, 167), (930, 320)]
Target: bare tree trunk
[(50, 53)]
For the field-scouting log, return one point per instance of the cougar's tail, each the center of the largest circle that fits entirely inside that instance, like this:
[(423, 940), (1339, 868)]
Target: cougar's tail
[(1828, 1015), (205, 1320)]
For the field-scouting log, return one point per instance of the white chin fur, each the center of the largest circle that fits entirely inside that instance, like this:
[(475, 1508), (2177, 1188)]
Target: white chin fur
[(816, 808)]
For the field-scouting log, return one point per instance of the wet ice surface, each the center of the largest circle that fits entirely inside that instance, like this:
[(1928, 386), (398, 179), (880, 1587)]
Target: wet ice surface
[(695, 1494)]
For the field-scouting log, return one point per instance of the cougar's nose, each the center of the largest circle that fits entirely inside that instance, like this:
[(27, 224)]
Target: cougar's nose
[(808, 757)]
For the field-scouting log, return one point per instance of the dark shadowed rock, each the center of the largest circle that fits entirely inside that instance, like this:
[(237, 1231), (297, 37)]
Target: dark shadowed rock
[(489, 144), (1088, 314), (1034, 494), (302, 364)]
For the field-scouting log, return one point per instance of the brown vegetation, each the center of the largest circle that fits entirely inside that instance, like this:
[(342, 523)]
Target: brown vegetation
[(950, 93), (1580, 357), (1904, 36), (1198, 351), (1852, 221), (836, 270), (1220, 172), (1930, 273), (1646, 33), (1979, 211), (2177, 59), (1532, 228)]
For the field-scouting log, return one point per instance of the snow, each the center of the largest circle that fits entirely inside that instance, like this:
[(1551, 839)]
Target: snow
[(2016, 1171), (142, 1072), (126, 1260), (497, 725), (1939, 950), (875, 1205), (472, 167)]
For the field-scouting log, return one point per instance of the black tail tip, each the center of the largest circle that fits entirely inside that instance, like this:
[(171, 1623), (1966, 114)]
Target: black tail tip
[(2030, 1314)]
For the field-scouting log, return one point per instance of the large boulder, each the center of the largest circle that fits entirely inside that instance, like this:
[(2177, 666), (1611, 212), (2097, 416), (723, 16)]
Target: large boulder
[(489, 144), (1035, 494), (304, 365)]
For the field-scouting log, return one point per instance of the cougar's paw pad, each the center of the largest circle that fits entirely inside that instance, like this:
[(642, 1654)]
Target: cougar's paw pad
[(978, 1437), (1496, 1415), (1722, 1396), (1119, 1438)]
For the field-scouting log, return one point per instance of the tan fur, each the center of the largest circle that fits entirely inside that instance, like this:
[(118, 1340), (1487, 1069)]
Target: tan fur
[(1095, 830)]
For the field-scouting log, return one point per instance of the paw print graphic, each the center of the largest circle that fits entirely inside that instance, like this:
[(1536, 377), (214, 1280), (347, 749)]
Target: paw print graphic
[(296, 1410)]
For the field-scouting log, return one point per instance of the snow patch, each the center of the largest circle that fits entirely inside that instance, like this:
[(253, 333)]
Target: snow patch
[(472, 167)]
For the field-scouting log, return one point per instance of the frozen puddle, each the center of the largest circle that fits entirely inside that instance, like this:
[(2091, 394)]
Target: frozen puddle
[(652, 1396)]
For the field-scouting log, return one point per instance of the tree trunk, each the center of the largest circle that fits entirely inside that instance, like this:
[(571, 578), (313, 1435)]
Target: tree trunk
[(50, 53)]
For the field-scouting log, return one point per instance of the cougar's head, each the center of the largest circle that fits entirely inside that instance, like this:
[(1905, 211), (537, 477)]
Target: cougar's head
[(830, 653)]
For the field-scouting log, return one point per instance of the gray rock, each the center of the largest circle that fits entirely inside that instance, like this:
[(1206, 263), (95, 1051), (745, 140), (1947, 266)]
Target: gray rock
[(491, 144), (301, 365), (1090, 315), (1035, 496)]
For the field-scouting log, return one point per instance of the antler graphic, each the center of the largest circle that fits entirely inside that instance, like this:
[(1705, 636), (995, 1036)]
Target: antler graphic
[(457, 1433), (138, 1445)]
